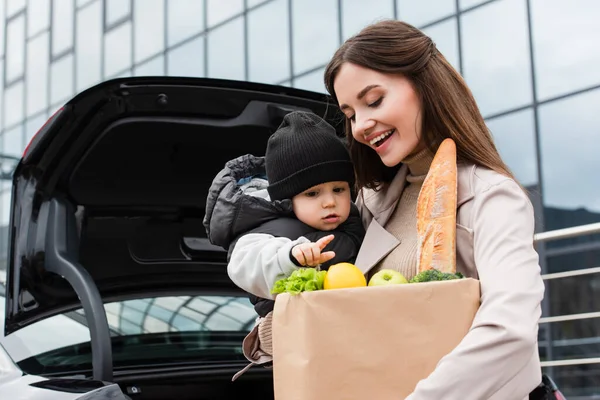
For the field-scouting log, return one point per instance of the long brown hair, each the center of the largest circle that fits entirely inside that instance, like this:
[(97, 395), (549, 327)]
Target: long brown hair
[(448, 106)]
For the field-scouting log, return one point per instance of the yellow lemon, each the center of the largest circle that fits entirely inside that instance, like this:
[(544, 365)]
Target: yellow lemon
[(344, 275)]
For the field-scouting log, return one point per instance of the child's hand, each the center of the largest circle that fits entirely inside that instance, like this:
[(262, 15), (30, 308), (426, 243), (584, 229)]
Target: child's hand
[(309, 254)]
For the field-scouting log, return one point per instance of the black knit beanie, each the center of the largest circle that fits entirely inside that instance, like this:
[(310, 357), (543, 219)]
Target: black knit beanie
[(305, 151)]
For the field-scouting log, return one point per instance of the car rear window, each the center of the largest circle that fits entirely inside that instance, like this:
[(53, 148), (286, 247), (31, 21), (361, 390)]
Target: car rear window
[(157, 331)]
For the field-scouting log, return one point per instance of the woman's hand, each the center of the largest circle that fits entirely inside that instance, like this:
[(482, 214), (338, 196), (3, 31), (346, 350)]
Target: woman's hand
[(311, 255)]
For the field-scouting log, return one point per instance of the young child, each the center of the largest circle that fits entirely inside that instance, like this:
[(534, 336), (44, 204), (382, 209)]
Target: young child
[(302, 215)]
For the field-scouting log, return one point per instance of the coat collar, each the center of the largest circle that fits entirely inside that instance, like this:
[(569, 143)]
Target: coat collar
[(382, 203)]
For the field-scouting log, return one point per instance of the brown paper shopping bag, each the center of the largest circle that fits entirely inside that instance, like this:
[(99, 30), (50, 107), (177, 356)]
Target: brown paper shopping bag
[(368, 342)]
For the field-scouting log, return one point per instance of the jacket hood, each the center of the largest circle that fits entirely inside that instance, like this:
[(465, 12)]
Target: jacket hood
[(238, 201)]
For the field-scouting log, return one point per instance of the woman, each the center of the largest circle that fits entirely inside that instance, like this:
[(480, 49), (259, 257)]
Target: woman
[(401, 98)]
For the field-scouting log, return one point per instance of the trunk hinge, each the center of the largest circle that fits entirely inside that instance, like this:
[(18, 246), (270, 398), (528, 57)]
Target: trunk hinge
[(62, 255)]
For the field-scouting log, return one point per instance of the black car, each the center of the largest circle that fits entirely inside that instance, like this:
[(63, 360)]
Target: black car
[(107, 209), (106, 229)]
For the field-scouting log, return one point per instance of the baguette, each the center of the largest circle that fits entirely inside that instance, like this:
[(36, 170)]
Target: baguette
[(436, 212)]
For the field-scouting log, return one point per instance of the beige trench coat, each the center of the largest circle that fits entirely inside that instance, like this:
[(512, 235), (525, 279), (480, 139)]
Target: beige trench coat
[(498, 359)]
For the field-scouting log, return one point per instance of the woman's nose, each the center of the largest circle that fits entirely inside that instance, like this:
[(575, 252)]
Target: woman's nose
[(362, 126)]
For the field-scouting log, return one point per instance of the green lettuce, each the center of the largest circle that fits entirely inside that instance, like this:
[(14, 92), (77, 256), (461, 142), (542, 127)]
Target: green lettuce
[(301, 280)]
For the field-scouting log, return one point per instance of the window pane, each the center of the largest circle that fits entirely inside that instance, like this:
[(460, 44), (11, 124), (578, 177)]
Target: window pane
[(14, 6), (12, 141), (514, 135), (117, 48), (421, 12), (1, 89), (315, 35), (33, 125), (226, 51), (117, 10), (154, 67), (5, 215), (81, 3), (62, 26), (188, 59), (149, 24), (2, 15), (37, 74), (464, 4), (445, 36), (356, 14), (88, 46), (496, 59), (13, 104), (252, 3), (38, 16), (313, 81), (219, 10), (566, 53), (15, 48), (570, 162), (185, 19), (61, 79), (268, 29)]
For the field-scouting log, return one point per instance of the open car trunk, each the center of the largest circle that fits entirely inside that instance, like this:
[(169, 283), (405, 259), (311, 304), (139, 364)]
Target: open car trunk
[(108, 202)]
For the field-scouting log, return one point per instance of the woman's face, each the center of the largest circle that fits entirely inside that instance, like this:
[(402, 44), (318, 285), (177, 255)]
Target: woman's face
[(383, 109)]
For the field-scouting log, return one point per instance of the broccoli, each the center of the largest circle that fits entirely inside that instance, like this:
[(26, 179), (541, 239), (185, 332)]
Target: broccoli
[(435, 275)]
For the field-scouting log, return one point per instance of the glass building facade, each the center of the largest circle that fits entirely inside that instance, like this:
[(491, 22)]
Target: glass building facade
[(529, 63)]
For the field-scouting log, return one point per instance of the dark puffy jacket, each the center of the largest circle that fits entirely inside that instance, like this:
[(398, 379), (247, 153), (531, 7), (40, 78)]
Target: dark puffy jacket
[(232, 211)]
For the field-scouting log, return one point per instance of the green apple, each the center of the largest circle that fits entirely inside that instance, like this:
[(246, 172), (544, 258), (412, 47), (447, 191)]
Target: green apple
[(387, 277)]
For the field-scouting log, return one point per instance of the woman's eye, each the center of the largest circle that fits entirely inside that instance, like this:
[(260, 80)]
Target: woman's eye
[(376, 102), (311, 194), (339, 190)]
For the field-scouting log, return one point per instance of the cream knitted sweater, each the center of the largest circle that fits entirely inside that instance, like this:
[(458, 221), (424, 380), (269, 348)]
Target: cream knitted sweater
[(403, 222)]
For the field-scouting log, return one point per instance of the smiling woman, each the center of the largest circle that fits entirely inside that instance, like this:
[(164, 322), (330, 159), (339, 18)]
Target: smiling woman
[(402, 99)]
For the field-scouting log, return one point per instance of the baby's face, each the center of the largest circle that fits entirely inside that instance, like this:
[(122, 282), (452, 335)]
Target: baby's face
[(325, 206)]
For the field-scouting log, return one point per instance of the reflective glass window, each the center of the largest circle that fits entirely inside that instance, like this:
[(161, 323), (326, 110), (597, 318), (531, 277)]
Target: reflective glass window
[(315, 35), (219, 10), (185, 19), (2, 15), (38, 16), (313, 81), (149, 25), (356, 14), (421, 12), (268, 42), (153, 67), (226, 51), (61, 79), (570, 162), (464, 4), (187, 59), (62, 26), (15, 48), (117, 10), (13, 104), (567, 55), (445, 36), (33, 124), (13, 141), (496, 62), (514, 135), (88, 46), (117, 50), (37, 73), (14, 6)]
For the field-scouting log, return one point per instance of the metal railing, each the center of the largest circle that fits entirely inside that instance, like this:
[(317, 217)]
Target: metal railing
[(562, 234)]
